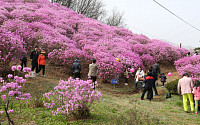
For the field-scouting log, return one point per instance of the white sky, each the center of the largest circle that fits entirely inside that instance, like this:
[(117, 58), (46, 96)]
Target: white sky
[(150, 19)]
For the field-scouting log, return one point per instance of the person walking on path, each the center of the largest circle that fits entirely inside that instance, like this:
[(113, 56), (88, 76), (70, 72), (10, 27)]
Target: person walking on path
[(76, 67), (163, 79), (185, 86), (34, 56), (155, 77), (149, 81), (93, 71), (126, 76), (196, 92), (23, 60), (42, 62), (156, 69), (139, 77)]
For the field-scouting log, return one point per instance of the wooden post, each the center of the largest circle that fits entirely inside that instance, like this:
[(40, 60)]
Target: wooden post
[(180, 45)]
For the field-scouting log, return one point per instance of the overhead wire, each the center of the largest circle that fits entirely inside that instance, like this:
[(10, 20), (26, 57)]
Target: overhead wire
[(176, 15)]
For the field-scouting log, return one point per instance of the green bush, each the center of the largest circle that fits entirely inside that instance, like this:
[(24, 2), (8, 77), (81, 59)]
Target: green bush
[(172, 86)]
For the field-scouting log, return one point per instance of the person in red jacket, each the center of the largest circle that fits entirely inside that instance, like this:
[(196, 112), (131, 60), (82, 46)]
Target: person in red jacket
[(42, 62)]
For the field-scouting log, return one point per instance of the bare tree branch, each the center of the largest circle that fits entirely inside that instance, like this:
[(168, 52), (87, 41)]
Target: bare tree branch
[(115, 19), (90, 8)]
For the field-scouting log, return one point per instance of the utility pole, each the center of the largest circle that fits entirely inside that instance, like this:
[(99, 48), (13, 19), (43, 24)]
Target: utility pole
[(180, 45)]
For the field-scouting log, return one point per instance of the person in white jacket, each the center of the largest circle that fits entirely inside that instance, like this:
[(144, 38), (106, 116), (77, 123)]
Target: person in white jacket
[(139, 77)]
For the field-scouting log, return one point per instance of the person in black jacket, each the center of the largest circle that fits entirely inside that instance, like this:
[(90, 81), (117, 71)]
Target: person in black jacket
[(34, 56), (149, 81), (156, 69), (155, 77), (23, 60), (77, 69)]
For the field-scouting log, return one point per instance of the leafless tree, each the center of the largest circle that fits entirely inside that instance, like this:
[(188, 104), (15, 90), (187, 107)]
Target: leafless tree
[(90, 8), (115, 19), (94, 9)]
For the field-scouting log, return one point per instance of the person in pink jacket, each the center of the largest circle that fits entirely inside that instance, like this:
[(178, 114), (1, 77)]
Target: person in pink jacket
[(185, 87), (196, 91)]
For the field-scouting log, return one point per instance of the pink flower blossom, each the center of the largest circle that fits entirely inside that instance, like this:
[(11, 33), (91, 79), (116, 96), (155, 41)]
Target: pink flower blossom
[(16, 77), (11, 93), (25, 69), (19, 67), (10, 111), (10, 76), (3, 97), (14, 68), (1, 112), (3, 88), (26, 76), (28, 69)]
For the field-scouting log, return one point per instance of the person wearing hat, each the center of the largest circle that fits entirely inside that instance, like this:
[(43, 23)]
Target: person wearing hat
[(93, 71), (76, 67), (185, 87), (42, 62)]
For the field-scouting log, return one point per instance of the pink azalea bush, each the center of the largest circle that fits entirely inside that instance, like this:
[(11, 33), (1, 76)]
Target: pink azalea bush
[(10, 46), (12, 90), (71, 96), (190, 65), (53, 27)]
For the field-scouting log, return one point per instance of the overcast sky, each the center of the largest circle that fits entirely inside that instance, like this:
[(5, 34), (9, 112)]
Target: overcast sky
[(150, 19)]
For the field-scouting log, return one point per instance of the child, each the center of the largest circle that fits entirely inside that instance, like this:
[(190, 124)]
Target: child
[(196, 91), (163, 79), (149, 81), (23, 60), (42, 62), (126, 76)]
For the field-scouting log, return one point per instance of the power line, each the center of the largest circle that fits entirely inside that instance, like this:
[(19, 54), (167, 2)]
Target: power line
[(164, 40), (176, 15)]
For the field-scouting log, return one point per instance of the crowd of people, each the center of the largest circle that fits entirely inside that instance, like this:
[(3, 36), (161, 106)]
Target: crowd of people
[(38, 60), (147, 80)]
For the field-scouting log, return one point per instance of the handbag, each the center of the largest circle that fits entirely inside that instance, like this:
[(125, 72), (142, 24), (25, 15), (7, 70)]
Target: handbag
[(140, 79)]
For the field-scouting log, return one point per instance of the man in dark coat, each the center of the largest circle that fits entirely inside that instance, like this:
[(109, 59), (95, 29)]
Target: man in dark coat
[(34, 56), (155, 78), (149, 81), (156, 69), (77, 69)]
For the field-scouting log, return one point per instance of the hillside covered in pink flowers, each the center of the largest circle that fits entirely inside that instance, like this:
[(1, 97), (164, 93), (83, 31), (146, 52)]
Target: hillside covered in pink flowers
[(66, 35)]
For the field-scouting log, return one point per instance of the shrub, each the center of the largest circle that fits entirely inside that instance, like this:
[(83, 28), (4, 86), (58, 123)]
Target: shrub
[(12, 92), (172, 86), (72, 97), (189, 65)]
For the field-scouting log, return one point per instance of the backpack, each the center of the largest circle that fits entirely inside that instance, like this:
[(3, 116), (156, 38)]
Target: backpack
[(168, 95), (23, 57)]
